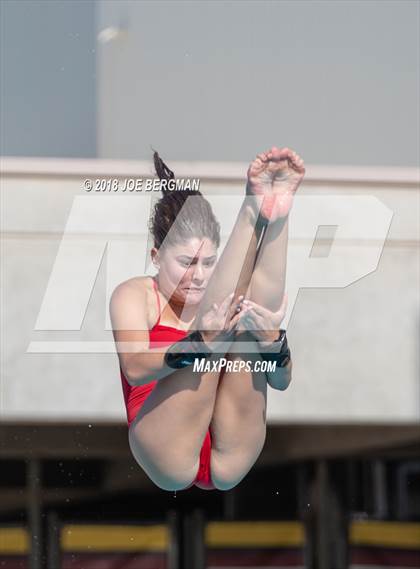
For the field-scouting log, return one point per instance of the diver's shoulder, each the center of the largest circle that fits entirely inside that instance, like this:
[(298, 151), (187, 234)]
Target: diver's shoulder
[(143, 283), (138, 290)]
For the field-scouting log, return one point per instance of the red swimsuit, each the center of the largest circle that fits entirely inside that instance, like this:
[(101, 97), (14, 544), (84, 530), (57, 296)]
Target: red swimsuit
[(135, 396)]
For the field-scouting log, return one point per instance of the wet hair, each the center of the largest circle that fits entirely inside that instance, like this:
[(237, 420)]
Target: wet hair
[(189, 218)]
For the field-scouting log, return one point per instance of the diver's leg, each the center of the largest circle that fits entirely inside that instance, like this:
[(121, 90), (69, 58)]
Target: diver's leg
[(168, 432), (268, 278), (236, 264), (234, 268), (238, 425), (239, 419)]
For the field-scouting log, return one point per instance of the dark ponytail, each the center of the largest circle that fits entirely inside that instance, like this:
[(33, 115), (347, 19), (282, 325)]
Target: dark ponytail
[(192, 218)]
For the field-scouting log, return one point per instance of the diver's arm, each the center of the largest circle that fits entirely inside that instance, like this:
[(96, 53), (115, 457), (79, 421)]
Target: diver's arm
[(139, 363), (142, 364)]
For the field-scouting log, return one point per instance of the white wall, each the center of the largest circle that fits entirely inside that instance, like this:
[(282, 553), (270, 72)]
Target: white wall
[(355, 348)]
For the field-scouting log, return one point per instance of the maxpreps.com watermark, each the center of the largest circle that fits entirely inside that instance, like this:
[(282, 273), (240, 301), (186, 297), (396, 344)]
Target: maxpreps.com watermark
[(140, 184), (202, 365)]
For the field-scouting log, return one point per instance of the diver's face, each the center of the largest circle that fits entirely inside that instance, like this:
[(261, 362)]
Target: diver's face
[(186, 269)]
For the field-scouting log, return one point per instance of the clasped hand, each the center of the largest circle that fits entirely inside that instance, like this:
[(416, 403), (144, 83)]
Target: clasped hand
[(222, 321)]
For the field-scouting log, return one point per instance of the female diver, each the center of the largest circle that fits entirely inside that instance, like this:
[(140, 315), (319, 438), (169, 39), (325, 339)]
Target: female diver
[(207, 428)]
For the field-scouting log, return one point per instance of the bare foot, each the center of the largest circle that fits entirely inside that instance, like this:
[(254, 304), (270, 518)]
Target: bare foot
[(275, 175)]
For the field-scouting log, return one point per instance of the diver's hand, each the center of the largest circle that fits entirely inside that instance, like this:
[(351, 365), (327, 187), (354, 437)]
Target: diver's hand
[(219, 322), (263, 324)]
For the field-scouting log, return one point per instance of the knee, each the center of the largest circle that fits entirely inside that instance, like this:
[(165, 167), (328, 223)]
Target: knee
[(170, 485), (164, 478), (226, 481), (225, 474), (224, 485), (161, 473)]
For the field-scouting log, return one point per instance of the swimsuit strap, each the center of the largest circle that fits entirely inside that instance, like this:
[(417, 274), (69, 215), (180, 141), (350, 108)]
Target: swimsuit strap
[(155, 286)]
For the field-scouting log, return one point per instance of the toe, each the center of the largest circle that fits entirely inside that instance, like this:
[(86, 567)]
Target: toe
[(280, 153), (255, 167), (296, 158)]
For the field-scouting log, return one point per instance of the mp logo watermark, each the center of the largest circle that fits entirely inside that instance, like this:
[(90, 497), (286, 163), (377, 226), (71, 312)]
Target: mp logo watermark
[(334, 241)]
